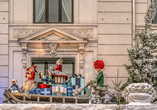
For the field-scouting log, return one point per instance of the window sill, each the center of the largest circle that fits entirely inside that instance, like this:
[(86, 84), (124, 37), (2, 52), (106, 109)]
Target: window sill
[(48, 24)]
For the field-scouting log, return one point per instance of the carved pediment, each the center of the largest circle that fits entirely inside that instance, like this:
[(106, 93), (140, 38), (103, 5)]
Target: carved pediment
[(51, 34), (52, 37), (52, 40)]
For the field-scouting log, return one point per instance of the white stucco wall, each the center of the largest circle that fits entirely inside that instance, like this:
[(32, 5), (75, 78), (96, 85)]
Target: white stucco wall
[(21, 11), (3, 47)]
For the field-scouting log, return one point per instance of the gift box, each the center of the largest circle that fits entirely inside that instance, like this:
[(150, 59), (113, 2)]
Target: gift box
[(59, 89), (69, 89), (43, 86), (45, 91), (36, 91), (76, 89), (77, 80), (48, 83), (47, 79)]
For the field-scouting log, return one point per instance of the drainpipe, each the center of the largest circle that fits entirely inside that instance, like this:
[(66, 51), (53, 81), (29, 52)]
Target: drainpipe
[(133, 23)]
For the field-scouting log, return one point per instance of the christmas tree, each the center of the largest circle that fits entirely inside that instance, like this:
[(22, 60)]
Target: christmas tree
[(142, 63)]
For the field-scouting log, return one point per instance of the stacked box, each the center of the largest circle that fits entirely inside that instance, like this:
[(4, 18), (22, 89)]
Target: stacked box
[(35, 91), (79, 81), (47, 80), (53, 85), (69, 89), (65, 86), (76, 89), (45, 91), (59, 90)]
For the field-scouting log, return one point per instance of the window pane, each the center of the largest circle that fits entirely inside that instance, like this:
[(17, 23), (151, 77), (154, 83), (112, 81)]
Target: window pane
[(53, 10), (66, 10), (39, 10), (40, 68)]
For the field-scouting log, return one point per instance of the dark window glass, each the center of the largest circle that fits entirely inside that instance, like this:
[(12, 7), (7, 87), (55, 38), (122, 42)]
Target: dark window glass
[(68, 66), (39, 11), (53, 11), (66, 11)]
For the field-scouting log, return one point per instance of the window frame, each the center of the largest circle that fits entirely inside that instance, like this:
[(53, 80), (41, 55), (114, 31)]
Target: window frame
[(46, 61), (59, 15)]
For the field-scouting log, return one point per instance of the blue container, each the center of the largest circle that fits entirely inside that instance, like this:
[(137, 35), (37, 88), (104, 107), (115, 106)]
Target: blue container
[(69, 89), (45, 91), (54, 94), (64, 94), (69, 93), (69, 84)]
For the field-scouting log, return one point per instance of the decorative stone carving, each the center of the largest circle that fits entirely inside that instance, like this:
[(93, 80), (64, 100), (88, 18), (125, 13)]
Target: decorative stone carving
[(80, 32), (50, 37), (81, 51), (24, 63), (23, 32), (138, 106), (81, 62), (83, 32), (24, 51), (24, 48), (53, 37), (139, 92), (53, 49)]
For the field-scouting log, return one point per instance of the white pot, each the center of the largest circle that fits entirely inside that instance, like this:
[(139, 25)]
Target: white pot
[(139, 92)]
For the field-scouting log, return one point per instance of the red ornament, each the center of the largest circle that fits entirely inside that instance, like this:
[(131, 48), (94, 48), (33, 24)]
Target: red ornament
[(59, 68), (43, 86), (31, 74), (99, 64)]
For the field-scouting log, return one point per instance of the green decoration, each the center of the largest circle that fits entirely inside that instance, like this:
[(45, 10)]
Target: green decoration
[(142, 63)]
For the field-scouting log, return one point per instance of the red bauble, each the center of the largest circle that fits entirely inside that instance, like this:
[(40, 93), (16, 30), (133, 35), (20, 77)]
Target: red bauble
[(99, 64)]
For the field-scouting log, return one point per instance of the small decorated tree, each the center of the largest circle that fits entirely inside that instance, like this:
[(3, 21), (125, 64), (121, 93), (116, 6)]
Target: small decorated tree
[(142, 63)]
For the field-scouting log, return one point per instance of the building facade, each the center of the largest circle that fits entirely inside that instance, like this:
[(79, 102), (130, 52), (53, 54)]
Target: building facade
[(79, 31)]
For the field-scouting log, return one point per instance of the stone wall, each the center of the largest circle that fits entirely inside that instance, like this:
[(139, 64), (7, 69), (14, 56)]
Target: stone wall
[(77, 107), (140, 9), (114, 36), (115, 21), (3, 47), (21, 11)]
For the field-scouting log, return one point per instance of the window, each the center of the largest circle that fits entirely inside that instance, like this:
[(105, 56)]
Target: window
[(155, 19), (68, 66), (53, 11)]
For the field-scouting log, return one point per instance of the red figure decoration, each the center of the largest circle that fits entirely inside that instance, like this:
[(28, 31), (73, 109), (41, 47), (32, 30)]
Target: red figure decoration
[(30, 72), (99, 64), (59, 68), (59, 65)]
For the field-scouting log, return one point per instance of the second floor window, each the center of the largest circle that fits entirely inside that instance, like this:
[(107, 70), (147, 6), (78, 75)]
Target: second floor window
[(53, 11)]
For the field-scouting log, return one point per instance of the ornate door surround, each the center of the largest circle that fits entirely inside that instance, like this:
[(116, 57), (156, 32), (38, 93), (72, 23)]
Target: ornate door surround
[(52, 41)]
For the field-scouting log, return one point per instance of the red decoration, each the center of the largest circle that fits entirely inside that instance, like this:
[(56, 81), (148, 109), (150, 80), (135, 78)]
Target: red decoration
[(32, 74), (43, 86), (59, 68), (99, 64)]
